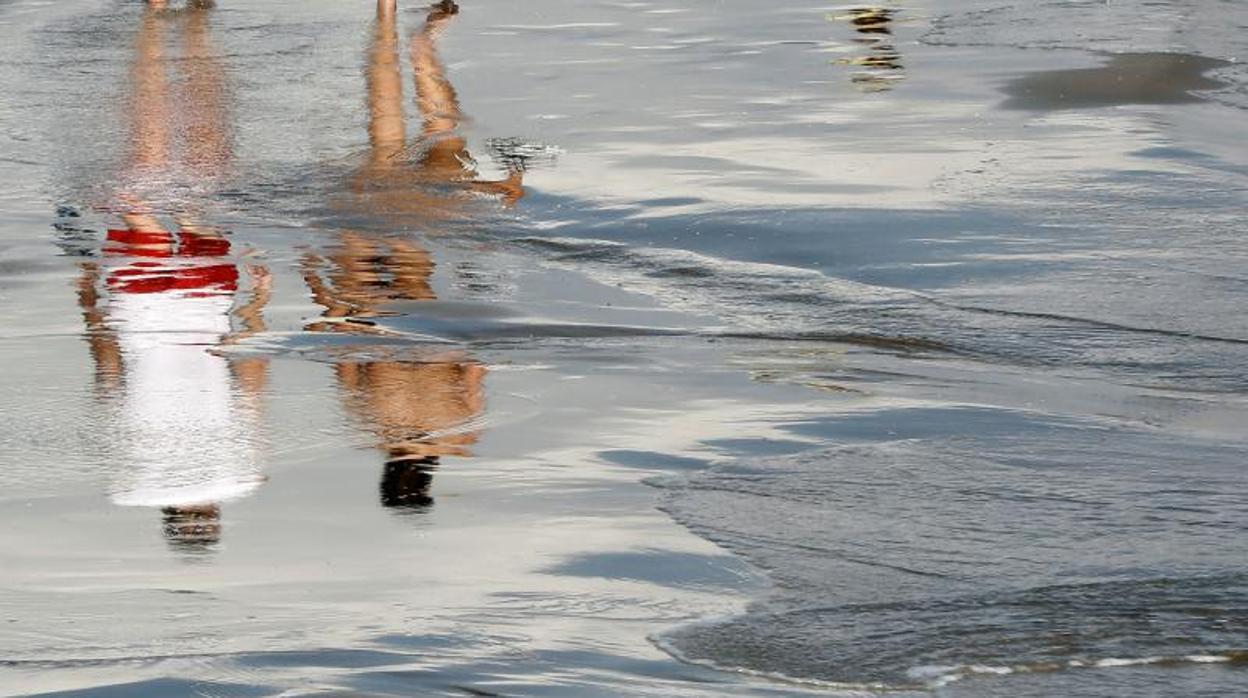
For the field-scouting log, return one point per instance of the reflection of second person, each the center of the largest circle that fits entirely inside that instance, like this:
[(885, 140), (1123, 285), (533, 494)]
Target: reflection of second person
[(419, 410)]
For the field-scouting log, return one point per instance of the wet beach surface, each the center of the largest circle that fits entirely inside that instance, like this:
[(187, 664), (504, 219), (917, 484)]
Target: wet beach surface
[(622, 348)]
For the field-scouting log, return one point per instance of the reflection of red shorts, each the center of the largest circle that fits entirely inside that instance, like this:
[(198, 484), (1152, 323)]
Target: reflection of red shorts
[(136, 243), (183, 275)]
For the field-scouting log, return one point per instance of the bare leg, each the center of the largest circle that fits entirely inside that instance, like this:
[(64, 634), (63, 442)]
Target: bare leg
[(149, 137), (208, 138), (435, 97), (440, 111), (386, 132)]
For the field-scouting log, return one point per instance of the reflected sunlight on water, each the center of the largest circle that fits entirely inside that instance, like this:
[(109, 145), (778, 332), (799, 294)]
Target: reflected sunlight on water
[(932, 354)]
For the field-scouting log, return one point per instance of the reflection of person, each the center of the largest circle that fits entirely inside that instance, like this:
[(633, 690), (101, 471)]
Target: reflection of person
[(881, 64), (419, 410), (161, 296)]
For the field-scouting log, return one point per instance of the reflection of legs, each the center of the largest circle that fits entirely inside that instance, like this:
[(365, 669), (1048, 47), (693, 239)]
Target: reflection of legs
[(439, 109), (386, 132), (150, 138), (436, 98), (405, 483), (446, 156), (207, 136)]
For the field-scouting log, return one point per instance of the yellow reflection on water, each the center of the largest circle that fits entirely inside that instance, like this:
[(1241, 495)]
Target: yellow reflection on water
[(879, 62)]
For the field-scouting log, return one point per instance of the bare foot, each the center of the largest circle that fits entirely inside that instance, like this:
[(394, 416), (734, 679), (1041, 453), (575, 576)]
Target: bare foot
[(442, 10)]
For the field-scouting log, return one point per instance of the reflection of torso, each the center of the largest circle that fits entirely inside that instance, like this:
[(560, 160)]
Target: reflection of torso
[(187, 437), (418, 409)]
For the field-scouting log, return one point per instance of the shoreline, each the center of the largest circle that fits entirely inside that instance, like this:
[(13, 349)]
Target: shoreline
[(760, 374)]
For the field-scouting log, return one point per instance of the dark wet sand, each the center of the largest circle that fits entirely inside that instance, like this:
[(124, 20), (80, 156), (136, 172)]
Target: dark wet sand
[(1143, 78)]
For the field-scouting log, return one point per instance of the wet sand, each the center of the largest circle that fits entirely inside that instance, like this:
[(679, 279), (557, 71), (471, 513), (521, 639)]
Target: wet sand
[(620, 349)]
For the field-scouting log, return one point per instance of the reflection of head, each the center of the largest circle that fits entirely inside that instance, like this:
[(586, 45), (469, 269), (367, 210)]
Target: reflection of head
[(193, 528), (405, 482), (419, 413)]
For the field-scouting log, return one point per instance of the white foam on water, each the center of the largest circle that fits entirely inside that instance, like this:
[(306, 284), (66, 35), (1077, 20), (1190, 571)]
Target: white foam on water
[(938, 676), (816, 686)]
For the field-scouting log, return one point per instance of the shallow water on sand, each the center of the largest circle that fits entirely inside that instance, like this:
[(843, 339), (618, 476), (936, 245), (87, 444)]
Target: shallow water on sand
[(621, 348)]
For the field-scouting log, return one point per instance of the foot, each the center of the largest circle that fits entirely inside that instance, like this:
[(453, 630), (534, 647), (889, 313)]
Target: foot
[(442, 10)]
